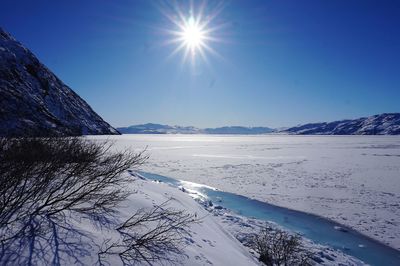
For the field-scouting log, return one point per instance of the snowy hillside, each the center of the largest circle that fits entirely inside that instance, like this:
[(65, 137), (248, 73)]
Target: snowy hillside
[(383, 124), (33, 101), (209, 243)]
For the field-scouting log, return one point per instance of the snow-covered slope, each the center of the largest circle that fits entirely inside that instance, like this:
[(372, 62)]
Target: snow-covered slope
[(208, 243), (33, 101), (383, 124)]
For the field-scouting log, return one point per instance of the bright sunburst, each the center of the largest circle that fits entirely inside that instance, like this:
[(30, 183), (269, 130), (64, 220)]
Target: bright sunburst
[(193, 33)]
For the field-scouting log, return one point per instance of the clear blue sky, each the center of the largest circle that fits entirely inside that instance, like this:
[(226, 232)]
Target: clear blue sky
[(281, 63)]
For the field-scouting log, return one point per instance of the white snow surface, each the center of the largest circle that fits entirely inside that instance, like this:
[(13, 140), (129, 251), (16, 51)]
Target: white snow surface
[(208, 243), (354, 180)]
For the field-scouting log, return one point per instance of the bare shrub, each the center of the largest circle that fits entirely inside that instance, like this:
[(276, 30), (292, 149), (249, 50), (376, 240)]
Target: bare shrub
[(48, 184), (151, 235), (276, 248)]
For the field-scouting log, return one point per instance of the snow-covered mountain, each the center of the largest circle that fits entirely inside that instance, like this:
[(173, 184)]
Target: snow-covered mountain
[(383, 124), (151, 128), (33, 101)]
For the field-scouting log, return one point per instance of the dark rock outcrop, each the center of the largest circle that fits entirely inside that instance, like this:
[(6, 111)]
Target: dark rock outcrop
[(34, 102)]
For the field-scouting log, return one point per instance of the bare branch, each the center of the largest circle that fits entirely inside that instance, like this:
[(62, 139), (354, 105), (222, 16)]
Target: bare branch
[(152, 235), (46, 181)]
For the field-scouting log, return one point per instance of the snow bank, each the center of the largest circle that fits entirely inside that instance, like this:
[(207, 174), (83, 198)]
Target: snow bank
[(207, 244)]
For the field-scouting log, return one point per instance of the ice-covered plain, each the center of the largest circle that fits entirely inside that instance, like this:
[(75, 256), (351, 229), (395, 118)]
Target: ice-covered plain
[(354, 180)]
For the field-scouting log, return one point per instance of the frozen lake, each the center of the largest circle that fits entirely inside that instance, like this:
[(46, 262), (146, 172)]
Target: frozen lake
[(354, 180)]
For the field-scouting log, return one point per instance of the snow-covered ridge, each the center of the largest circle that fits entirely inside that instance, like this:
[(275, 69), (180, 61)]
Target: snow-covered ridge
[(33, 101), (382, 124)]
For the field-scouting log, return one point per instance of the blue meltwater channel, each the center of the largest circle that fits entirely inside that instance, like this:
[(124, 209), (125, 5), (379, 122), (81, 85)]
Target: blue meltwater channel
[(313, 227)]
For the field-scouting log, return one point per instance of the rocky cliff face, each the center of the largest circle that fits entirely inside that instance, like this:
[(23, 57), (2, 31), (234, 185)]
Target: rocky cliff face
[(34, 102)]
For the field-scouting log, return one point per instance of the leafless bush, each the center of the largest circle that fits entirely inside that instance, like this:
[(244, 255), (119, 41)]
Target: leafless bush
[(276, 248), (151, 235), (46, 184)]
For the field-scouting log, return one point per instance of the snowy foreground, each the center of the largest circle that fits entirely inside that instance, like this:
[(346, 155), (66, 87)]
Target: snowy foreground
[(215, 241), (208, 243), (352, 180)]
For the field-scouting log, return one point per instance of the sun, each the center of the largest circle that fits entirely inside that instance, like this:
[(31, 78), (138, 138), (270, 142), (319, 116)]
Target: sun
[(192, 32), (193, 35)]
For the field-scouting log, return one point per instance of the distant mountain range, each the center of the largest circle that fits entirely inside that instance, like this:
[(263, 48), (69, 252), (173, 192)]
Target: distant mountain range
[(151, 128), (383, 124), (34, 102), (239, 130), (166, 129)]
